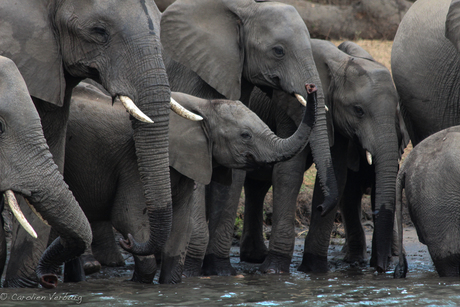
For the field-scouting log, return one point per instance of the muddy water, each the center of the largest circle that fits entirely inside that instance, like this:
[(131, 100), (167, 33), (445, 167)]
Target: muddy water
[(344, 285)]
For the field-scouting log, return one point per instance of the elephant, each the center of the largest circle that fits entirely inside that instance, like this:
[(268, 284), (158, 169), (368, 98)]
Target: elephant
[(365, 128), (56, 44), (27, 169), (430, 176), (243, 44), (425, 63), (101, 166)]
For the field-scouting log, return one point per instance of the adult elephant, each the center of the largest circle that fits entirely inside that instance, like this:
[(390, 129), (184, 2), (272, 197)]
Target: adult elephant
[(108, 186), (430, 176), (243, 44), (55, 44), (364, 126), (425, 62), (27, 168)]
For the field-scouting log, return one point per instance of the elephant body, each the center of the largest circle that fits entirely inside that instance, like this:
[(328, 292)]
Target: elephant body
[(101, 169), (27, 168), (362, 103), (426, 67), (243, 44), (56, 44), (430, 176)]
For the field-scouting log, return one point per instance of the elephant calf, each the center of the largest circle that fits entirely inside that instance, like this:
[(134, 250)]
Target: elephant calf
[(101, 168), (430, 176)]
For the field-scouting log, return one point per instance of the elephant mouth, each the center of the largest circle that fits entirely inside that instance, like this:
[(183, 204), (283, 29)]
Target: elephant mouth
[(252, 164)]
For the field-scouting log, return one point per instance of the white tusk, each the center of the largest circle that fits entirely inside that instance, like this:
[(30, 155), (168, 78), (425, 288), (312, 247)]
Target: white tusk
[(369, 157), (180, 110), (134, 110), (13, 203), (327, 109), (37, 214), (301, 99)]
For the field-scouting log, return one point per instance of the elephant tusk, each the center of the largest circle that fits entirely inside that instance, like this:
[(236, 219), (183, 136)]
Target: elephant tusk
[(37, 214), (134, 110), (369, 157), (327, 109), (13, 203), (301, 99), (180, 110)]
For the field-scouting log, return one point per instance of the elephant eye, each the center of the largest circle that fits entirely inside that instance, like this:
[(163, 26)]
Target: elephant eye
[(278, 51), (359, 111), (246, 135), (101, 33)]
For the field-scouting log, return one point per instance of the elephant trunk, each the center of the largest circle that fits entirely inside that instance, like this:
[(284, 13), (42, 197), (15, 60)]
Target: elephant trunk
[(288, 148), (319, 143), (152, 143), (386, 170), (56, 205)]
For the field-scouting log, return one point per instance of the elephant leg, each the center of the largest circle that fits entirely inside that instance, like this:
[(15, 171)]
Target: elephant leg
[(200, 234), (173, 255), (221, 205), (252, 245), (287, 178), (104, 247), (90, 264), (3, 247), (350, 208), (448, 266)]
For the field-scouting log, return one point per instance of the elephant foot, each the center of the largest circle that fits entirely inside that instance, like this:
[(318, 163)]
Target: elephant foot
[(313, 264), (276, 263), (357, 258), (380, 265), (90, 265), (192, 267), (253, 251), (145, 268), (74, 270), (213, 265)]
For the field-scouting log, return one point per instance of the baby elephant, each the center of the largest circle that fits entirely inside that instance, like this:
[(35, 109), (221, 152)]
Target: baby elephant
[(430, 176), (101, 168)]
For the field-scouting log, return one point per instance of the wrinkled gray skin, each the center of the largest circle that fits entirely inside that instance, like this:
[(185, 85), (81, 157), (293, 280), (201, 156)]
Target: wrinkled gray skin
[(430, 176), (101, 166), (28, 169), (55, 44), (362, 104), (425, 62), (244, 44)]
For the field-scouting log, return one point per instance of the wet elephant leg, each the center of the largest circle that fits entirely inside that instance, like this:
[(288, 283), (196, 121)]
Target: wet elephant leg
[(173, 256), (104, 247), (350, 208), (287, 178), (252, 245), (200, 234), (221, 206)]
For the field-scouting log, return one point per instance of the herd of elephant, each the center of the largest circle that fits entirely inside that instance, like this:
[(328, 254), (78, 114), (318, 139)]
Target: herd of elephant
[(261, 101)]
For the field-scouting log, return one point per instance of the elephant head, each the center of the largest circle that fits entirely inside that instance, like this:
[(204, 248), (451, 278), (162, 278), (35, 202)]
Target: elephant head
[(27, 168), (230, 135), (57, 43), (363, 104), (235, 44)]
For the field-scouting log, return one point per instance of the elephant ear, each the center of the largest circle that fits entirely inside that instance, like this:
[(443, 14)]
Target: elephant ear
[(453, 24), (354, 49), (27, 38), (190, 148), (206, 37)]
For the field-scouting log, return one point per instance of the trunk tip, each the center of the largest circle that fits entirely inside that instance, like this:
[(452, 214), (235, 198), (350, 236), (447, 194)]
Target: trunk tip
[(311, 88)]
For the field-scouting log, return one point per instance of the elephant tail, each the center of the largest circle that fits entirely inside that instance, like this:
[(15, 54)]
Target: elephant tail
[(401, 267)]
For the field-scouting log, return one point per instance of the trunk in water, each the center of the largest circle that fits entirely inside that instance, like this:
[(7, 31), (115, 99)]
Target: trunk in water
[(152, 143), (386, 170)]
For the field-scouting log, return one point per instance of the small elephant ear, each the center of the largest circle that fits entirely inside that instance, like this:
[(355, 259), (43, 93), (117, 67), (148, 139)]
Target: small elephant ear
[(354, 49), (453, 24), (27, 38), (206, 37)]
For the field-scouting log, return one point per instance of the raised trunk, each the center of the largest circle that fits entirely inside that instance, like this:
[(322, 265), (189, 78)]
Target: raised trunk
[(152, 143), (386, 170), (284, 149)]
